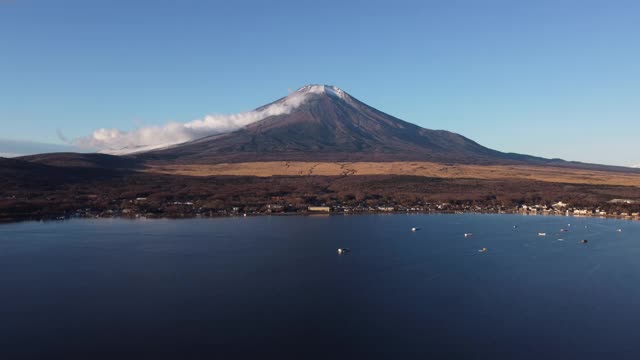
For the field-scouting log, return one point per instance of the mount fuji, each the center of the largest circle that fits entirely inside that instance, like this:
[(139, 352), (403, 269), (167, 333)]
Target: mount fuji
[(325, 123)]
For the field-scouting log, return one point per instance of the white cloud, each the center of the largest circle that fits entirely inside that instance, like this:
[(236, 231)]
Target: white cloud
[(116, 141)]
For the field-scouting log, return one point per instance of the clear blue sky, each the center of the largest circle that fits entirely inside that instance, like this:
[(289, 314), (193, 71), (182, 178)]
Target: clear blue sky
[(552, 78)]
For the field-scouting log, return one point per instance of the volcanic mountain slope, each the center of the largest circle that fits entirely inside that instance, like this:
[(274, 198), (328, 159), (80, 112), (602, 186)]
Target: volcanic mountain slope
[(327, 124)]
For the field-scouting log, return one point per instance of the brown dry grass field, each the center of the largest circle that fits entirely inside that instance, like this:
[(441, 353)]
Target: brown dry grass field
[(427, 169)]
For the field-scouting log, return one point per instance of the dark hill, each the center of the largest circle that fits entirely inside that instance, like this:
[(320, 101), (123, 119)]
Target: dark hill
[(83, 160), (25, 174)]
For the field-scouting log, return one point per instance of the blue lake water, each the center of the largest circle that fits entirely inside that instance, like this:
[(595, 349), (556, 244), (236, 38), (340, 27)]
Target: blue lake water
[(276, 287)]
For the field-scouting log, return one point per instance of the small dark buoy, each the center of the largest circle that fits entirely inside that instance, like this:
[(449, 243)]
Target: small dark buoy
[(584, 241)]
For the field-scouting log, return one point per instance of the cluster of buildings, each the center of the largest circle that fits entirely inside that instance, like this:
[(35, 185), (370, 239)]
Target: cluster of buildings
[(153, 208), (140, 207), (561, 208)]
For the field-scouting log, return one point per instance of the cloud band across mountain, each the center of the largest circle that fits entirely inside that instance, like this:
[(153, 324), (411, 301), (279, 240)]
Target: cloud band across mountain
[(115, 141)]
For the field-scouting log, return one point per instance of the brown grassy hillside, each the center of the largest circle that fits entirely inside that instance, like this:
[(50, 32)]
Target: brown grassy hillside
[(426, 169)]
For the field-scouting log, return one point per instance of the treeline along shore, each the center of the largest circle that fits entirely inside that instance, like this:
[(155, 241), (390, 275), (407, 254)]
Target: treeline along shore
[(142, 194)]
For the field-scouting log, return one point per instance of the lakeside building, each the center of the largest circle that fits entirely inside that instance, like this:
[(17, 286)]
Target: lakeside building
[(319, 209)]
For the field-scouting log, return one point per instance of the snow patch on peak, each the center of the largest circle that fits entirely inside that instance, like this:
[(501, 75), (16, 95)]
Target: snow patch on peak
[(311, 89), (335, 91), (323, 89)]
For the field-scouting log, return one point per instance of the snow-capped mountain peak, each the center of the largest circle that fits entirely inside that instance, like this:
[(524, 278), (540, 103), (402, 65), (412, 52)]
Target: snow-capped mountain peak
[(323, 89)]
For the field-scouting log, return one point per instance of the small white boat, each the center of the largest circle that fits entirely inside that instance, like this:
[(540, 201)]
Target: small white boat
[(483, 250), (415, 229), (343, 251), (619, 230), (542, 234), (468, 234)]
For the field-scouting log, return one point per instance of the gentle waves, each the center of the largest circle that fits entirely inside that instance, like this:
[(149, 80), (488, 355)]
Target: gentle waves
[(276, 287)]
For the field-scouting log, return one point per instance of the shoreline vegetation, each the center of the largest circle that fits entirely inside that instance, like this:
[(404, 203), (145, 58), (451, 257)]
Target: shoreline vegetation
[(61, 186), (34, 192)]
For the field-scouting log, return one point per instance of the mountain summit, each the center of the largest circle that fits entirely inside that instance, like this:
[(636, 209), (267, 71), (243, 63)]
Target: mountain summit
[(324, 89), (325, 123)]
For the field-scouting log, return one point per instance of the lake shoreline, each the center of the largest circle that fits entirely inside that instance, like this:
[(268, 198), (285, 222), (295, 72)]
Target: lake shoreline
[(314, 214)]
